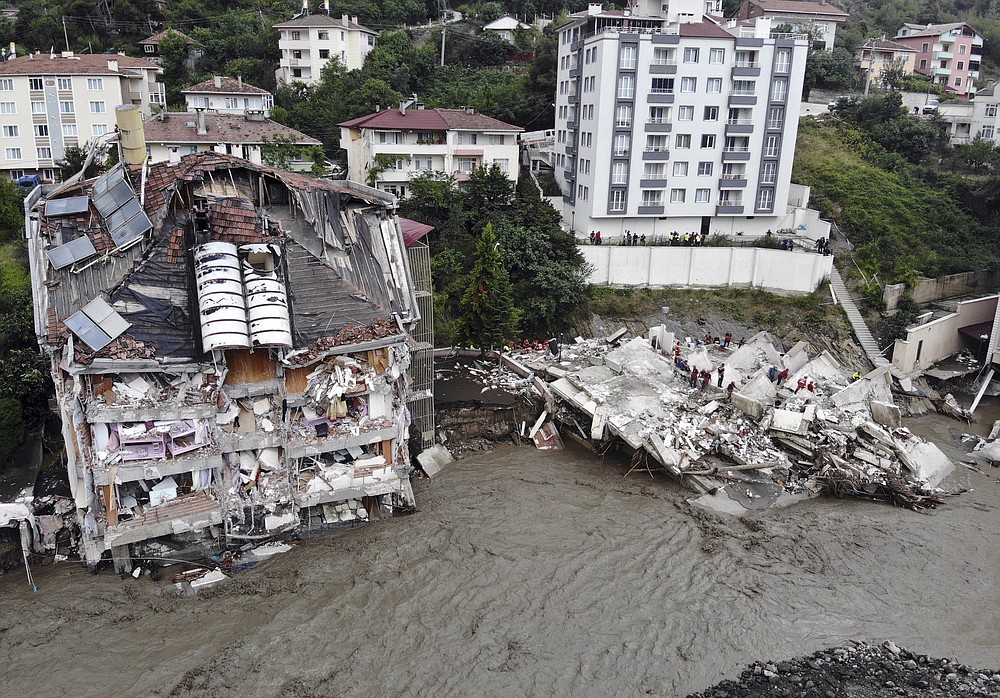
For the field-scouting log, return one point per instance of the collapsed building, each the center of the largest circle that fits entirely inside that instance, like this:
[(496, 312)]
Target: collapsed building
[(230, 346), (719, 419)]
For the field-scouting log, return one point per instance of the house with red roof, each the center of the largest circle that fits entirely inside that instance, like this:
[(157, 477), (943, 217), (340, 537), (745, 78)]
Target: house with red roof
[(950, 54), (818, 19), (391, 146)]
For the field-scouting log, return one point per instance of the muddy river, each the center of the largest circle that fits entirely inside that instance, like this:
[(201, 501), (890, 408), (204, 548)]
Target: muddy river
[(530, 573)]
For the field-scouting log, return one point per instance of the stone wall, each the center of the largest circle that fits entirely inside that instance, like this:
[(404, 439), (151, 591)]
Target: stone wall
[(950, 286)]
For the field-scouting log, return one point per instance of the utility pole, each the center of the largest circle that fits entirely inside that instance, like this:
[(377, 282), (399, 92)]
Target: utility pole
[(65, 34), (871, 69), (444, 30)]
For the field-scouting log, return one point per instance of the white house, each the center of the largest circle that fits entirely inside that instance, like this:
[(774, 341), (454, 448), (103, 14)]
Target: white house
[(505, 27), (170, 136), (818, 19), (307, 43), (227, 95), (405, 142), (49, 102), (665, 122)]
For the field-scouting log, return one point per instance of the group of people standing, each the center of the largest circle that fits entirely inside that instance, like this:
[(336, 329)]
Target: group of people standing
[(631, 240), (688, 239)]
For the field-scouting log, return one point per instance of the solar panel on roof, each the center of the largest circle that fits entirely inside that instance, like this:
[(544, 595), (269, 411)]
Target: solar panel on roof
[(132, 228), (67, 206), (114, 198), (117, 218), (97, 324), (107, 180), (73, 251)]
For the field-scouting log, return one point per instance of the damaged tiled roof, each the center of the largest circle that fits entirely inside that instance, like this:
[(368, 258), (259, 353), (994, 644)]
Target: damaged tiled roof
[(175, 246), (235, 220), (229, 128)]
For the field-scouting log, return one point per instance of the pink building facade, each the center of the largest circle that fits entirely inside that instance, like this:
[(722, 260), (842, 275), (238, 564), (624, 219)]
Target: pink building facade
[(949, 53)]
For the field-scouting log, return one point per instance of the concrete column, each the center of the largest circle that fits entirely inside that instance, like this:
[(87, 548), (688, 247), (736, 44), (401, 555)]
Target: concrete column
[(122, 558)]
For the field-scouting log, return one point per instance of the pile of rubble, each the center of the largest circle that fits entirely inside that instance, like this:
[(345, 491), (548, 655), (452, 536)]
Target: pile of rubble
[(749, 425)]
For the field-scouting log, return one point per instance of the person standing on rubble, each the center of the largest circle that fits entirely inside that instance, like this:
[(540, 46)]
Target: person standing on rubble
[(728, 338), (801, 384), (708, 338), (782, 377), (722, 372), (743, 340), (694, 378), (706, 378), (811, 388), (772, 373), (592, 236), (729, 390)]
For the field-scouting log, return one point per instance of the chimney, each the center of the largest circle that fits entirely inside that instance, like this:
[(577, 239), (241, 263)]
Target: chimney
[(113, 64), (354, 19), (218, 81), (174, 157), (305, 7), (345, 20), (402, 108), (202, 126), (595, 8), (239, 81)]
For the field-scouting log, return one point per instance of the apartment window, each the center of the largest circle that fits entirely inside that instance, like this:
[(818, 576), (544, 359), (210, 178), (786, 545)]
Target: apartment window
[(582, 192), (689, 84), (662, 86), (677, 196), (776, 117), (711, 114), (768, 172), (35, 83), (923, 64), (619, 173), (652, 197), (987, 132), (12, 153), (589, 138), (65, 84), (95, 83), (584, 167), (714, 85), (652, 170), (664, 56), (685, 113), (44, 153), (744, 87), (6, 84), (961, 65), (343, 36), (626, 87), (657, 144), (925, 47), (504, 164), (10, 132), (323, 36), (232, 102), (466, 165), (98, 129), (659, 115), (623, 116), (67, 108), (690, 55), (41, 130), (717, 56), (69, 130), (683, 140), (48, 174), (296, 54), (296, 35), (496, 139), (708, 140), (704, 169), (958, 82), (324, 53), (771, 146), (779, 88), (991, 110), (392, 137), (423, 163), (622, 143), (765, 200), (961, 50), (617, 200), (781, 60), (702, 196), (626, 58), (10, 107), (97, 108), (680, 169)]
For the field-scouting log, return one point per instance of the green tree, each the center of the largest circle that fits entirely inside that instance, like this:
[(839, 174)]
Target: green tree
[(489, 317), (74, 157), (488, 191)]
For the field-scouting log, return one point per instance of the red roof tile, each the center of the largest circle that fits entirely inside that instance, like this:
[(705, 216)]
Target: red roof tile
[(704, 30), (80, 64), (236, 221), (181, 127), (228, 86), (430, 120), (799, 7)]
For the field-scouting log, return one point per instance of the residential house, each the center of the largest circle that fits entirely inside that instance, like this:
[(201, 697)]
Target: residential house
[(150, 47), (229, 351), (818, 19), (876, 56), (172, 135), (668, 123), (49, 102), (505, 28), (307, 43), (971, 119), (949, 53), (392, 146), (226, 95)]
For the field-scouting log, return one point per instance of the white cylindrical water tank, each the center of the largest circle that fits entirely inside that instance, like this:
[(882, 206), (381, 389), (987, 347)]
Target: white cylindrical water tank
[(221, 306), (267, 298)]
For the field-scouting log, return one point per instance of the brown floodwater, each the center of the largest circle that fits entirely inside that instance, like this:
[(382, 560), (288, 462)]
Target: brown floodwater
[(531, 573)]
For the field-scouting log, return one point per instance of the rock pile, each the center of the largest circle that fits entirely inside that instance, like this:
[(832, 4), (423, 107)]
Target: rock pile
[(860, 670)]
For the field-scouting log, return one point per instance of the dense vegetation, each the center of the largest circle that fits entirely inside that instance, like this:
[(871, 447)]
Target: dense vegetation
[(870, 169)]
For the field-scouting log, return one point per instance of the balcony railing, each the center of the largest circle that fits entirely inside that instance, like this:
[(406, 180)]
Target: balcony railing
[(658, 120), (657, 148), (733, 175), (775, 124), (626, 94), (652, 202), (664, 61), (736, 149), (628, 65), (623, 123), (730, 202), (739, 122), (746, 64), (661, 91), (620, 152), (742, 93)]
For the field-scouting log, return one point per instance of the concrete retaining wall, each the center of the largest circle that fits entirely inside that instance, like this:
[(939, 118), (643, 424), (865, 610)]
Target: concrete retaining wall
[(774, 270), (930, 290)]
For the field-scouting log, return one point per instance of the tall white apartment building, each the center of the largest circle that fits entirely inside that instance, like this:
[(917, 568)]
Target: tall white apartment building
[(51, 102), (308, 42), (669, 120)]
